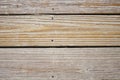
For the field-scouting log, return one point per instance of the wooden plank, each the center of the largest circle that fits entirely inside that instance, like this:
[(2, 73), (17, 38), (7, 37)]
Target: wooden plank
[(59, 6), (60, 64), (60, 30)]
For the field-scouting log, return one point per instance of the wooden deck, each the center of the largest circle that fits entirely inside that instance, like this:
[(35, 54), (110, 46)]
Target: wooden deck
[(59, 39)]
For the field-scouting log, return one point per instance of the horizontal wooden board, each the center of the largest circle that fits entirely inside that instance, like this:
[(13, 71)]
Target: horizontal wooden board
[(60, 30), (59, 6), (60, 64)]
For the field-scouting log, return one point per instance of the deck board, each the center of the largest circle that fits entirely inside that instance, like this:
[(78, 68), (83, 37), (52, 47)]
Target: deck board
[(60, 6), (60, 30), (60, 63)]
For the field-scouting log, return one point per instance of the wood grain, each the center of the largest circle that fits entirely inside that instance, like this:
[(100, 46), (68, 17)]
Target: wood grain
[(60, 6), (60, 64), (60, 30)]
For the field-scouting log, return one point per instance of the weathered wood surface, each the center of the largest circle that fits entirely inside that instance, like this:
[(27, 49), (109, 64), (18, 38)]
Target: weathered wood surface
[(60, 64), (60, 30), (59, 6)]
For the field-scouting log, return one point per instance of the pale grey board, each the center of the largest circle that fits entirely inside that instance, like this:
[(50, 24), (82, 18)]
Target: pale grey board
[(59, 6), (59, 63)]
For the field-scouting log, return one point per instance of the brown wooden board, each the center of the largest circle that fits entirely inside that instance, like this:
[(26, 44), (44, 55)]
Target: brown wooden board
[(60, 30)]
